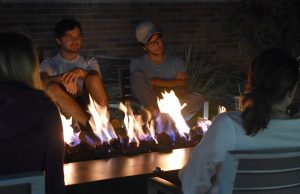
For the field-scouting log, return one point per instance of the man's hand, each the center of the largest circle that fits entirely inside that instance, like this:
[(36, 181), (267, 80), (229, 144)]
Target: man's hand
[(73, 75), (71, 87), (181, 75), (179, 81), (69, 79)]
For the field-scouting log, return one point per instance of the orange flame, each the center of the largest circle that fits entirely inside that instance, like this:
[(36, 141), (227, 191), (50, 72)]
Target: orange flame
[(204, 123), (170, 104), (101, 126), (133, 124), (100, 121), (70, 137)]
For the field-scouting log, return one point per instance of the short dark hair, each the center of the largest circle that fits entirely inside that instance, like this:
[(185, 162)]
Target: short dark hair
[(64, 25)]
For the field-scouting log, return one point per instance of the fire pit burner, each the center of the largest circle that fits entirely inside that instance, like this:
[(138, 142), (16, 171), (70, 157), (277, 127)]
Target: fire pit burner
[(122, 147)]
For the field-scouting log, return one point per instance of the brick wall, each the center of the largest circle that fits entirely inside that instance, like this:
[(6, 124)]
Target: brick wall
[(109, 27)]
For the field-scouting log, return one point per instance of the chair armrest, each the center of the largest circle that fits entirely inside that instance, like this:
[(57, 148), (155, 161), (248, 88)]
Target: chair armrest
[(158, 185)]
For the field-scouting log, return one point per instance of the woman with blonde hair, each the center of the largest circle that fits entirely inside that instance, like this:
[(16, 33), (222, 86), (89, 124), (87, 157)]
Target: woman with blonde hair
[(31, 134)]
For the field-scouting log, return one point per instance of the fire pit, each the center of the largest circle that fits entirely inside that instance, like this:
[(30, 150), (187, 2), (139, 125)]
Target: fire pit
[(166, 132), (121, 146)]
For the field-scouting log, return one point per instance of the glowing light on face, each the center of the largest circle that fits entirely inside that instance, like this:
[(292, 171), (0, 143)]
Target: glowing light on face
[(71, 41), (155, 45)]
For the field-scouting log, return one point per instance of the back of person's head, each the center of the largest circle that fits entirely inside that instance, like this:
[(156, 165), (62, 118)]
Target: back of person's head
[(64, 25), (272, 74), (18, 59)]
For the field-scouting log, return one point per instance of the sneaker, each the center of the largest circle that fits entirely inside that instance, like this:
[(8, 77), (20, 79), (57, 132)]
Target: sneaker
[(89, 133), (148, 113)]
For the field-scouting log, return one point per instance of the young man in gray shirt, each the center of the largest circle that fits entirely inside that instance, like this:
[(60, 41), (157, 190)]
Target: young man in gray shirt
[(156, 72)]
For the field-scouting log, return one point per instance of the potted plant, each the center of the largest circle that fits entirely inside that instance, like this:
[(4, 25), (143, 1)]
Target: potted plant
[(217, 83)]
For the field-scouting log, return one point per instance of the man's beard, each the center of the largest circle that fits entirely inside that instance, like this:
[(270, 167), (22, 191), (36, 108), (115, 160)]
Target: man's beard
[(158, 52), (72, 49)]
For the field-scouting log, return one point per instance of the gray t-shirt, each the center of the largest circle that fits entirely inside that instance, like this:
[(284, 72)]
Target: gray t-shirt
[(166, 70), (57, 65)]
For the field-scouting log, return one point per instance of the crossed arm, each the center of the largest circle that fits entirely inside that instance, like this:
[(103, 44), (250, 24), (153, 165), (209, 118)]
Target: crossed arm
[(181, 80), (178, 85), (67, 79)]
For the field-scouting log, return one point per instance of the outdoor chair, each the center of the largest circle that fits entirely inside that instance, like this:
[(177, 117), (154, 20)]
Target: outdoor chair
[(25, 183), (116, 76), (271, 171), (125, 84)]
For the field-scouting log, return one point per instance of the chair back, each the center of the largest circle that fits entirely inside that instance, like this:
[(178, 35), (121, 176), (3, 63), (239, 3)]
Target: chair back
[(271, 171), (25, 183), (125, 84), (111, 69)]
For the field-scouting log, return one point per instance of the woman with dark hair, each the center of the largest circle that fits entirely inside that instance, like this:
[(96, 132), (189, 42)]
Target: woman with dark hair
[(264, 122), (31, 134)]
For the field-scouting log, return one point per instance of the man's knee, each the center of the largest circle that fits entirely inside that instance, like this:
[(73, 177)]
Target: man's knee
[(194, 101), (142, 89), (137, 76), (92, 77), (55, 91), (196, 98), (139, 81), (91, 81)]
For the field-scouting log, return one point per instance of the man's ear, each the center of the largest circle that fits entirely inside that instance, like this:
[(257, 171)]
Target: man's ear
[(58, 41)]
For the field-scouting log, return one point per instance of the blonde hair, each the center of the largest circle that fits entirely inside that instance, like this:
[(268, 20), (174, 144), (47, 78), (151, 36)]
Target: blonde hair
[(19, 60)]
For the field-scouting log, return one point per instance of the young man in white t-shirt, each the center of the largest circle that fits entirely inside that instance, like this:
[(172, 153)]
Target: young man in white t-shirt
[(68, 74)]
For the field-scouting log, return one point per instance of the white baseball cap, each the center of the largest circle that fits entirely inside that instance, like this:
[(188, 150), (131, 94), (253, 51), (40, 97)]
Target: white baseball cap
[(144, 31)]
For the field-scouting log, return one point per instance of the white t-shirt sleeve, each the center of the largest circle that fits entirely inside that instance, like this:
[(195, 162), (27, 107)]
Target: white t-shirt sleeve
[(199, 174), (47, 66), (93, 65)]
